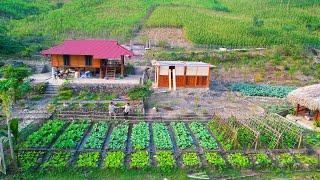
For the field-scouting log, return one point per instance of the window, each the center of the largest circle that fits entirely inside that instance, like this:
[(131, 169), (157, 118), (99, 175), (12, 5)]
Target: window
[(66, 60), (88, 60)]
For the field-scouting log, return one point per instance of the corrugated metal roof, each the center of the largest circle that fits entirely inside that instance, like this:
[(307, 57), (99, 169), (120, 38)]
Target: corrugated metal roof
[(99, 49)]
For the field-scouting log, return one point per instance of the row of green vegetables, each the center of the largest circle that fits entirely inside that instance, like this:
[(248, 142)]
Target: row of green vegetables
[(165, 160), (140, 136), (249, 89)]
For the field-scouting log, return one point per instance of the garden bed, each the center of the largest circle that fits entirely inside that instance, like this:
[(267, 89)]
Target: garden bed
[(141, 145)]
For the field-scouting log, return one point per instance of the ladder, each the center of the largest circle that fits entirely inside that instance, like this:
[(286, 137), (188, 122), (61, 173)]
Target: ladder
[(111, 73)]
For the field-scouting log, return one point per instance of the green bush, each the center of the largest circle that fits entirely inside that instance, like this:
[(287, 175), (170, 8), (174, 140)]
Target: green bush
[(285, 160), (65, 95), (141, 92)]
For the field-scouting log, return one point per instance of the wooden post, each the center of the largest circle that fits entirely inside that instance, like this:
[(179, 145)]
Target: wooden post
[(174, 79), (122, 66), (209, 78), (195, 82), (185, 76), (155, 76), (158, 75), (169, 76)]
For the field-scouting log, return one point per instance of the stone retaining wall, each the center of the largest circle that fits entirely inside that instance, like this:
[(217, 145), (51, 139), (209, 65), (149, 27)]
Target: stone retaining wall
[(121, 89)]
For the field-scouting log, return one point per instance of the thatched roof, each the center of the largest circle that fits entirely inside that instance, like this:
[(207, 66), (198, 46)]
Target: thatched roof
[(308, 96)]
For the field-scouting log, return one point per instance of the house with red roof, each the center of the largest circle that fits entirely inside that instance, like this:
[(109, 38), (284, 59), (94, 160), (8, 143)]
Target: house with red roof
[(102, 58)]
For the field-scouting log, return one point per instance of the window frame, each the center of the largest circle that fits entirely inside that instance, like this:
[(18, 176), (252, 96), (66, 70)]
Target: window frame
[(88, 59), (66, 60)]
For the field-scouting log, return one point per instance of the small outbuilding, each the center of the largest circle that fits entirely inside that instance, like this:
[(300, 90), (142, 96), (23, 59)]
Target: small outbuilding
[(307, 101), (179, 74)]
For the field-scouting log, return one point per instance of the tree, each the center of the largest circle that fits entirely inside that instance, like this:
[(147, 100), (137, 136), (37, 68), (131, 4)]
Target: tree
[(11, 88)]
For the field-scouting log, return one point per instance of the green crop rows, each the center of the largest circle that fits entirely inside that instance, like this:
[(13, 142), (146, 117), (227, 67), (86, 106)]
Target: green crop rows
[(206, 141), (97, 136), (73, 134), (57, 160), (88, 159), (165, 157), (118, 137), (161, 136), (183, 137), (45, 134), (261, 90), (140, 136)]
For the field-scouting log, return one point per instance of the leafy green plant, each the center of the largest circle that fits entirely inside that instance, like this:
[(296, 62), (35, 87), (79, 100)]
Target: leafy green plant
[(165, 160), (161, 136), (97, 135), (70, 138), (285, 160), (140, 136), (88, 159), (221, 132), (139, 159), (183, 137), (118, 137), (57, 160), (114, 160), (215, 160), (190, 159), (141, 92), (261, 90), (44, 136), (307, 160), (262, 160), (238, 160), (29, 159), (206, 140)]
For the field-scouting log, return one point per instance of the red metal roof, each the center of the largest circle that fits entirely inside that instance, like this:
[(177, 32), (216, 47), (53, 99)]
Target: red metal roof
[(99, 49)]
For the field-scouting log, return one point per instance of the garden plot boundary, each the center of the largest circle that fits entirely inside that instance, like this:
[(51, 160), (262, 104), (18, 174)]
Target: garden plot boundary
[(128, 150)]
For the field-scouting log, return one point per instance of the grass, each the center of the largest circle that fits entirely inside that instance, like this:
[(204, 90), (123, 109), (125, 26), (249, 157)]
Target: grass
[(145, 174), (41, 24)]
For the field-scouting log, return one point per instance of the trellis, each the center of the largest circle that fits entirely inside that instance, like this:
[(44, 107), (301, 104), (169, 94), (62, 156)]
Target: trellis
[(273, 135), (286, 128)]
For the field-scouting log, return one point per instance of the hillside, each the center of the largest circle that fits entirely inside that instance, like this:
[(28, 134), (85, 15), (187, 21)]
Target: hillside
[(36, 24)]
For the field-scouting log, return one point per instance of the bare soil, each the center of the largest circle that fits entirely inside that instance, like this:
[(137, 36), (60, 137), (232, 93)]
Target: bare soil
[(174, 36), (204, 103)]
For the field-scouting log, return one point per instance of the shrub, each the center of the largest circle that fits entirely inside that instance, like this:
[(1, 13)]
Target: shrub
[(141, 92)]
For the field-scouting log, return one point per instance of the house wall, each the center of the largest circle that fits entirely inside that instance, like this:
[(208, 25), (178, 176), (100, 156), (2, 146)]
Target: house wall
[(75, 61), (193, 80)]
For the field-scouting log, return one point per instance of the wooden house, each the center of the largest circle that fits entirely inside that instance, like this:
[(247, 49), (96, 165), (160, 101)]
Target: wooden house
[(178, 74), (104, 58)]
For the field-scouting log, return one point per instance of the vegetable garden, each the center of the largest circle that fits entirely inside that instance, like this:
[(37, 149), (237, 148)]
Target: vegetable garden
[(165, 144)]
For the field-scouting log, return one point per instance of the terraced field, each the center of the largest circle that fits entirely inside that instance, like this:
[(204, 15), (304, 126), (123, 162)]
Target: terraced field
[(218, 22)]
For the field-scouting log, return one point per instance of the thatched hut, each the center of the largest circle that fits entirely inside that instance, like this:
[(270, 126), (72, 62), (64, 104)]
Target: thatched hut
[(307, 100)]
